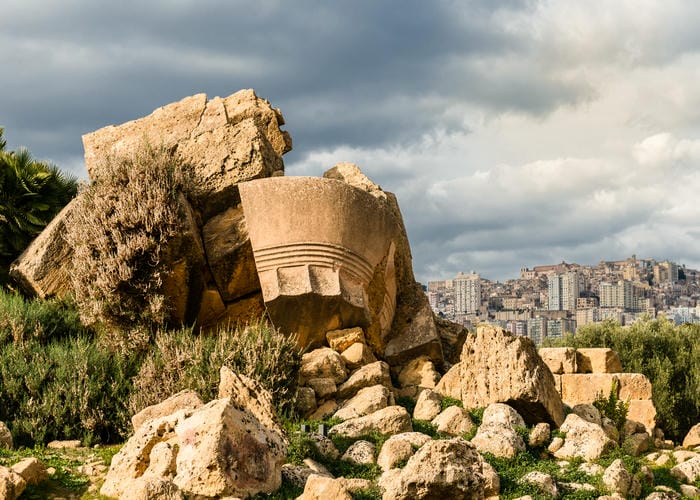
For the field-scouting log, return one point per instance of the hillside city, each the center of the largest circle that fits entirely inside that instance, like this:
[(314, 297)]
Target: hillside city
[(552, 300)]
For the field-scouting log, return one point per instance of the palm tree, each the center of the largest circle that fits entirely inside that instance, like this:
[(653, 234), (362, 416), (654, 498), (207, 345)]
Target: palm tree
[(31, 194)]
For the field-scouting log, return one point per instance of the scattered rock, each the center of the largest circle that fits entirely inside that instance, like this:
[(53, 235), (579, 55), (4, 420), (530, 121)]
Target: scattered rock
[(499, 440), (324, 488), (399, 448), (559, 359), (503, 415), (390, 420), (357, 355), (31, 470), (450, 384), (539, 435), (544, 482), (296, 474), (152, 488), (683, 455), (588, 412), (428, 405), (323, 387), (306, 400), (591, 469), (325, 410), (360, 452), (583, 439), (340, 340), (366, 401), (183, 400), (492, 483), (636, 444), (691, 439), (690, 491), (323, 363), (366, 376), (440, 469), (60, 445), (498, 367), (453, 421), (688, 471), (419, 371), (617, 479), (5, 437), (11, 484)]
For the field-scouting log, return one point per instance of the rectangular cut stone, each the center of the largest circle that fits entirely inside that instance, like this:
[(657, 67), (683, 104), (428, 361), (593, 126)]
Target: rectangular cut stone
[(557, 382), (597, 360), (559, 359), (580, 388), (634, 386), (339, 340), (644, 412)]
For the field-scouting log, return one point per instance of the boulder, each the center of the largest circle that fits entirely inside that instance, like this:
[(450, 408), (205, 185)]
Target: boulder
[(183, 400), (583, 439), (322, 387), (597, 360), (5, 437), (323, 250), (499, 440), (690, 491), (152, 488), (64, 444), (439, 469), (366, 401), (306, 400), (428, 405), (559, 359), (390, 420), (399, 448), (497, 367), (492, 483), (323, 488), (11, 484), (360, 452), (323, 363), (357, 355), (539, 435), (452, 337), (543, 482), (421, 372), (450, 384), (32, 470), (453, 421), (225, 451), (325, 410), (688, 471), (376, 373), (339, 340), (503, 415), (617, 479), (691, 439), (636, 444), (589, 413), (644, 412)]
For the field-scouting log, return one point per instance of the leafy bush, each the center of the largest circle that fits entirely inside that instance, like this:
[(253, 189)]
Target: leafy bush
[(182, 359), (612, 406), (120, 231), (668, 355), (68, 389)]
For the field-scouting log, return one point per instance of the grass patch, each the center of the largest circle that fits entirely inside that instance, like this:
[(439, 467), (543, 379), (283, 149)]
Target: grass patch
[(447, 401)]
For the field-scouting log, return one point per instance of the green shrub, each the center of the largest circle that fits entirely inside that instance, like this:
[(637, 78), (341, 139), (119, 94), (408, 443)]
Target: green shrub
[(612, 406), (668, 355), (447, 401), (120, 230), (68, 389), (182, 359)]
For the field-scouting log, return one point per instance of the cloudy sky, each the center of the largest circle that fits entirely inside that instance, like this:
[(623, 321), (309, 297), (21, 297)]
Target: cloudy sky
[(514, 133)]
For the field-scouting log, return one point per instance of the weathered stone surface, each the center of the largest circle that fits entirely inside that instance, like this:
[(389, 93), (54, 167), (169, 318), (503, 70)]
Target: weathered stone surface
[(688, 471), (419, 336), (325, 410), (366, 401), (498, 440), (691, 439), (32, 470), (162, 461), (152, 488), (684, 455), (421, 372), (503, 415), (396, 450), (323, 387), (690, 491), (597, 360), (539, 435), (296, 474), (225, 451), (439, 469), (183, 400), (583, 439), (44, 268), (230, 255), (317, 249), (644, 412), (323, 445), (5, 437), (360, 452), (492, 483), (497, 367), (376, 373), (323, 363), (584, 387), (543, 482), (339, 340), (450, 384), (357, 355), (11, 484), (617, 478), (428, 405), (636, 444), (559, 359), (249, 396), (452, 336), (306, 400), (453, 421), (323, 488), (390, 420), (64, 444), (589, 413)]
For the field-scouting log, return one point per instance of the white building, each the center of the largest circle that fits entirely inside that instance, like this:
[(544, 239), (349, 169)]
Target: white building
[(467, 293)]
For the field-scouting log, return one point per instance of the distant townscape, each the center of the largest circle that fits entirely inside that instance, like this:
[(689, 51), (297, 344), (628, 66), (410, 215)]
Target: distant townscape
[(549, 301)]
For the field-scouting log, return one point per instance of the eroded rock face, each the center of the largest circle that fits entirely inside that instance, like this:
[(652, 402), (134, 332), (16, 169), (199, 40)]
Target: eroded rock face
[(497, 367), (583, 439), (183, 400), (390, 420), (439, 469)]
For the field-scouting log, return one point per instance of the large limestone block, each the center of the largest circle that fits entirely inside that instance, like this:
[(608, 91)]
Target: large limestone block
[(152, 488), (230, 255), (439, 469), (366, 401), (340, 340), (450, 384), (226, 140), (376, 373), (693, 437), (453, 421), (597, 360), (580, 388), (318, 245), (559, 359), (183, 400), (32, 470), (498, 367), (225, 451), (688, 471), (499, 440), (390, 420), (402, 318), (644, 412), (44, 268), (428, 405), (357, 355), (11, 484), (323, 363)]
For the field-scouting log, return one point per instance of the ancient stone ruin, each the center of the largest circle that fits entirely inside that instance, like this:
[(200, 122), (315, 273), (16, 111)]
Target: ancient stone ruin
[(317, 254)]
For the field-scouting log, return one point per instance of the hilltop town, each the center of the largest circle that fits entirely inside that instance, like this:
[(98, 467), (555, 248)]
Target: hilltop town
[(549, 301)]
